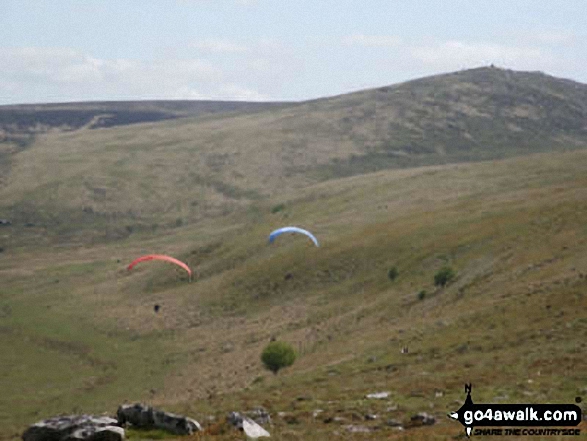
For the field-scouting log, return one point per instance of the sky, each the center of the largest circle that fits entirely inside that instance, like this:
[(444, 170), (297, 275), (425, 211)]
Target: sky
[(272, 50)]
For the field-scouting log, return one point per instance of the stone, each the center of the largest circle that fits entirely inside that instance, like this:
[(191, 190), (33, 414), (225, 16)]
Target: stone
[(236, 419), (393, 423), (259, 415), (247, 425), (146, 417), (75, 427), (176, 424), (253, 430), (138, 415), (378, 395), (422, 419), (92, 433)]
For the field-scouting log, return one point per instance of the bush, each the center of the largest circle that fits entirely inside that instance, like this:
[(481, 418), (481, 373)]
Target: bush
[(422, 295), (392, 273), (278, 208), (278, 355), (444, 276)]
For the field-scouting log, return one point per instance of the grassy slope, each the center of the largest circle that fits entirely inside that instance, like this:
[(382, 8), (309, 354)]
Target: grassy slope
[(82, 335), (109, 183)]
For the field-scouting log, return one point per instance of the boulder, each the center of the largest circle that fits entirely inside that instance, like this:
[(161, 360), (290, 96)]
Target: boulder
[(176, 424), (253, 430), (92, 433), (138, 415), (247, 425), (75, 427), (146, 417)]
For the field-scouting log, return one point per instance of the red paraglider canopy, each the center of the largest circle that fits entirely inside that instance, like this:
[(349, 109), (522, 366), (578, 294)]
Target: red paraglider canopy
[(160, 257)]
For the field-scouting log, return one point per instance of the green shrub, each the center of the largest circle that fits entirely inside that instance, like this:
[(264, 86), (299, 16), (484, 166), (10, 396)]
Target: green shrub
[(277, 208), (422, 295), (393, 273), (277, 355), (444, 276)]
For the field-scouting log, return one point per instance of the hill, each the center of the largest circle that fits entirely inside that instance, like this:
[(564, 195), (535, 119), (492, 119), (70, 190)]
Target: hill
[(18, 123), (158, 175), (367, 173), (82, 336)]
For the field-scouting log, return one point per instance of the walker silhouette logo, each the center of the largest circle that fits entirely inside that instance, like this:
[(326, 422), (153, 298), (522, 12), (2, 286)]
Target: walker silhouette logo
[(471, 415)]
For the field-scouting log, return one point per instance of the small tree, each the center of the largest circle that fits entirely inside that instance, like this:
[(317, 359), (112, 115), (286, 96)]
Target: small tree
[(444, 276), (277, 355), (422, 295), (392, 273)]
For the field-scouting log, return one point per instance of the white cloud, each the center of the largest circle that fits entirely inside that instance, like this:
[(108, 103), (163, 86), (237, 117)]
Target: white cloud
[(64, 74), (241, 93), (372, 40), (458, 54)]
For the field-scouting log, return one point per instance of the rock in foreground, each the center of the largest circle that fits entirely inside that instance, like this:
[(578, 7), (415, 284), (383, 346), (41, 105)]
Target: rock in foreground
[(75, 428), (247, 425), (145, 417)]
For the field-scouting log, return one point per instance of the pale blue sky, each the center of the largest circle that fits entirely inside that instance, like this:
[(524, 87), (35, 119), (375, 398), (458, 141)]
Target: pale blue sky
[(80, 50)]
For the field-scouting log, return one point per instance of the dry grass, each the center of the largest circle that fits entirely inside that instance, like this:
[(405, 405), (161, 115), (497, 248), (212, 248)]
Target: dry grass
[(513, 229), (111, 183), (82, 336)]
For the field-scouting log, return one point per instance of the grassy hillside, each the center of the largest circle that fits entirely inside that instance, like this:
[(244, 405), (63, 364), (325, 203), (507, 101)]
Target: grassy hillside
[(385, 178), (147, 177), (82, 335)]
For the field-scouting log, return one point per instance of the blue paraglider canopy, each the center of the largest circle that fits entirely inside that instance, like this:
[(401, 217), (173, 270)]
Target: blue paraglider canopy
[(280, 231)]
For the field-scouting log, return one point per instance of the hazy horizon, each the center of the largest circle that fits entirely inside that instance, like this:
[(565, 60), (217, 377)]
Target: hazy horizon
[(258, 50)]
